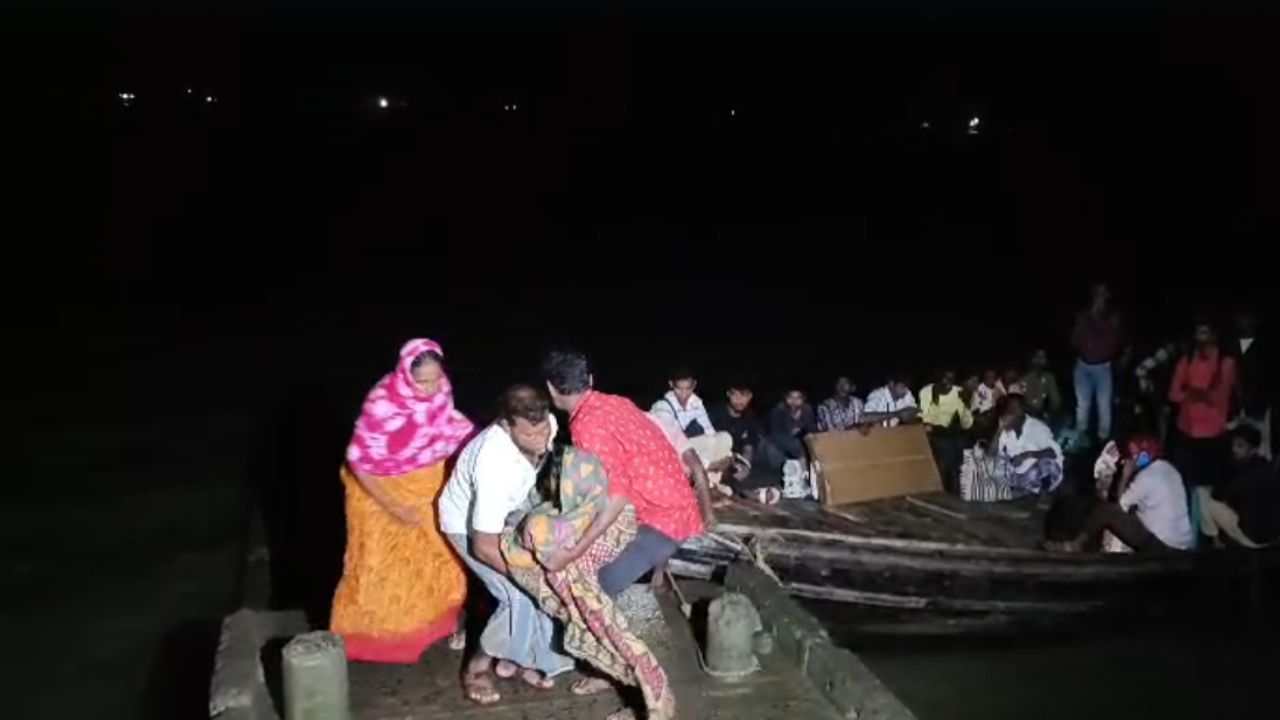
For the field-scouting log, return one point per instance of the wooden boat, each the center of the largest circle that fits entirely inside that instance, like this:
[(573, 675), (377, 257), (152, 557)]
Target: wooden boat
[(931, 563)]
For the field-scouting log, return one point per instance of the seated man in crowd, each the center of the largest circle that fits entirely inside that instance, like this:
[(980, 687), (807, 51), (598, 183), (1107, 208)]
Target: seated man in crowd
[(1040, 389), (683, 406), (757, 461), (790, 421), (891, 404), (1151, 513), (1247, 507), (1034, 457), (643, 471), (843, 411), (946, 416)]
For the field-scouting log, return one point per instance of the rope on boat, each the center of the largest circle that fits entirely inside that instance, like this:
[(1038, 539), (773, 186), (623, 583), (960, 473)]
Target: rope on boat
[(752, 551)]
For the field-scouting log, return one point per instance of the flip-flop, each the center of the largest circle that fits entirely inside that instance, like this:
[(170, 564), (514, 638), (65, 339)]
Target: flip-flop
[(480, 690), (590, 686)]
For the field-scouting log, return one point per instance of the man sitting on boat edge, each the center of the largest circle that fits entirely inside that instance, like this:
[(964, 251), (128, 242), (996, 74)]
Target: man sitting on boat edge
[(1151, 513)]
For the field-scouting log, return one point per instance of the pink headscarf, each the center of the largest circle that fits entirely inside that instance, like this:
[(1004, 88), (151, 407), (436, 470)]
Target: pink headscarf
[(401, 429)]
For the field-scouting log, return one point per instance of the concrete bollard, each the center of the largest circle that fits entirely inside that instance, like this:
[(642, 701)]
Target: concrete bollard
[(315, 678), (732, 624)]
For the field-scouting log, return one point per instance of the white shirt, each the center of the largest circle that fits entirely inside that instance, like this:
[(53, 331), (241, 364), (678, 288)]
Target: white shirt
[(491, 478), (985, 396), (1245, 344), (1035, 436), (693, 410), (882, 401), (1158, 494)]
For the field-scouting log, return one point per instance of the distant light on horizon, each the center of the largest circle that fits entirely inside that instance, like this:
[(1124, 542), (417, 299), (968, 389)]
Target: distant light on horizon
[(190, 91), (210, 99), (384, 103), (512, 107), (924, 125), (733, 112), (974, 122), (126, 98)]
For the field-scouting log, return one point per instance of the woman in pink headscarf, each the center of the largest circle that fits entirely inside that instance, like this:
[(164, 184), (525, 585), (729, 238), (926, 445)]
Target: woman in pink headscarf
[(402, 587)]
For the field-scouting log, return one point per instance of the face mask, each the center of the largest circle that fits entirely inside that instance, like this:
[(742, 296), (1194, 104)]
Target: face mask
[(1142, 460)]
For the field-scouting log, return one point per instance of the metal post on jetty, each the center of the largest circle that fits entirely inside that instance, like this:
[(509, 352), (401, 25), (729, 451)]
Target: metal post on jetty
[(315, 678)]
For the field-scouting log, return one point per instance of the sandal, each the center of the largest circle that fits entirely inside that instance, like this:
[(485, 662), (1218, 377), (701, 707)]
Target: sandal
[(480, 690), (536, 679), (590, 686), (768, 496)]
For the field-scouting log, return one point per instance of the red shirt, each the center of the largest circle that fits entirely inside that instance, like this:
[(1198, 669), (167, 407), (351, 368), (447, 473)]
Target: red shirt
[(640, 463), (1097, 338), (1213, 373)]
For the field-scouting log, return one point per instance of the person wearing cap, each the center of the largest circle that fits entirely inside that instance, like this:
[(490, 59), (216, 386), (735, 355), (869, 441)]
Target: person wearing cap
[(1151, 514)]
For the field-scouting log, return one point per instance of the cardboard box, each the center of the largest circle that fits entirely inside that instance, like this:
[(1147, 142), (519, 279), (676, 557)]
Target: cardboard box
[(850, 467)]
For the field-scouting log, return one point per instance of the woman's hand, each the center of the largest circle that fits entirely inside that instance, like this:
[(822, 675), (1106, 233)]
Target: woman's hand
[(404, 513), (559, 560)]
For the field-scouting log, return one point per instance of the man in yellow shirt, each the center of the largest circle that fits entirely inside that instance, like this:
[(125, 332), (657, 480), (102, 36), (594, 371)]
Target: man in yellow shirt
[(946, 416)]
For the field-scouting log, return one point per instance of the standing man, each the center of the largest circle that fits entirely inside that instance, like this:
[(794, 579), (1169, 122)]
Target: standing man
[(685, 409), (1097, 339), (493, 479), (642, 468), (1204, 384), (843, 411)]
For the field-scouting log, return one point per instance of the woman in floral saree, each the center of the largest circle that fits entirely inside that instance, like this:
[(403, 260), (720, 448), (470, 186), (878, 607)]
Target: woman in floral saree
[(595, 630)]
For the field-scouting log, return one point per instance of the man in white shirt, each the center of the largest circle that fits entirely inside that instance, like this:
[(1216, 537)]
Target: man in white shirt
[(491, 484), (891, 404), (1152, 511), (682, 406), (1034, 457)]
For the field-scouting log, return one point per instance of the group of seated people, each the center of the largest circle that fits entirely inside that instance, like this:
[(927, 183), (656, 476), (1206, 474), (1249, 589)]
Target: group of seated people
[(743, 456)]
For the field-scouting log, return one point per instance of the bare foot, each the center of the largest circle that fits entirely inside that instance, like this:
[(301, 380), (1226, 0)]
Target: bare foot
[(479, 688), (590, 686), (1063, 546), (536, 679), (458, 641), (622, 714), (506, 669)]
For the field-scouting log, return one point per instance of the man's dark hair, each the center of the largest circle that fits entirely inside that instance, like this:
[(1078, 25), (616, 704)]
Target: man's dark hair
[(682, 372), (1249, 435), (739, 385), (1004, 404), (567, 371), (524, 401), (899, 378)]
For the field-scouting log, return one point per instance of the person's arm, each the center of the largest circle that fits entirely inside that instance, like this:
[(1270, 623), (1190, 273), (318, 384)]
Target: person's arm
[(1078, 334), (701, 485), (1220, 394), (1041, 454), (824, 419), (400, 511), (485, 547), (704, 419), (1178, 388), (1054, 395), (966, 415), (599, 524), (1130, 494)]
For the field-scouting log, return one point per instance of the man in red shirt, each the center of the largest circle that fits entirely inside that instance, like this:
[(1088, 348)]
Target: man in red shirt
[(642, 467)]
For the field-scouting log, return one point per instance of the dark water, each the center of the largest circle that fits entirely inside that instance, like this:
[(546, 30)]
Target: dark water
[(1212, 662)]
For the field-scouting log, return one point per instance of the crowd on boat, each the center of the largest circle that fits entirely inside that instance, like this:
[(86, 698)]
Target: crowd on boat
[(556, 534)]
